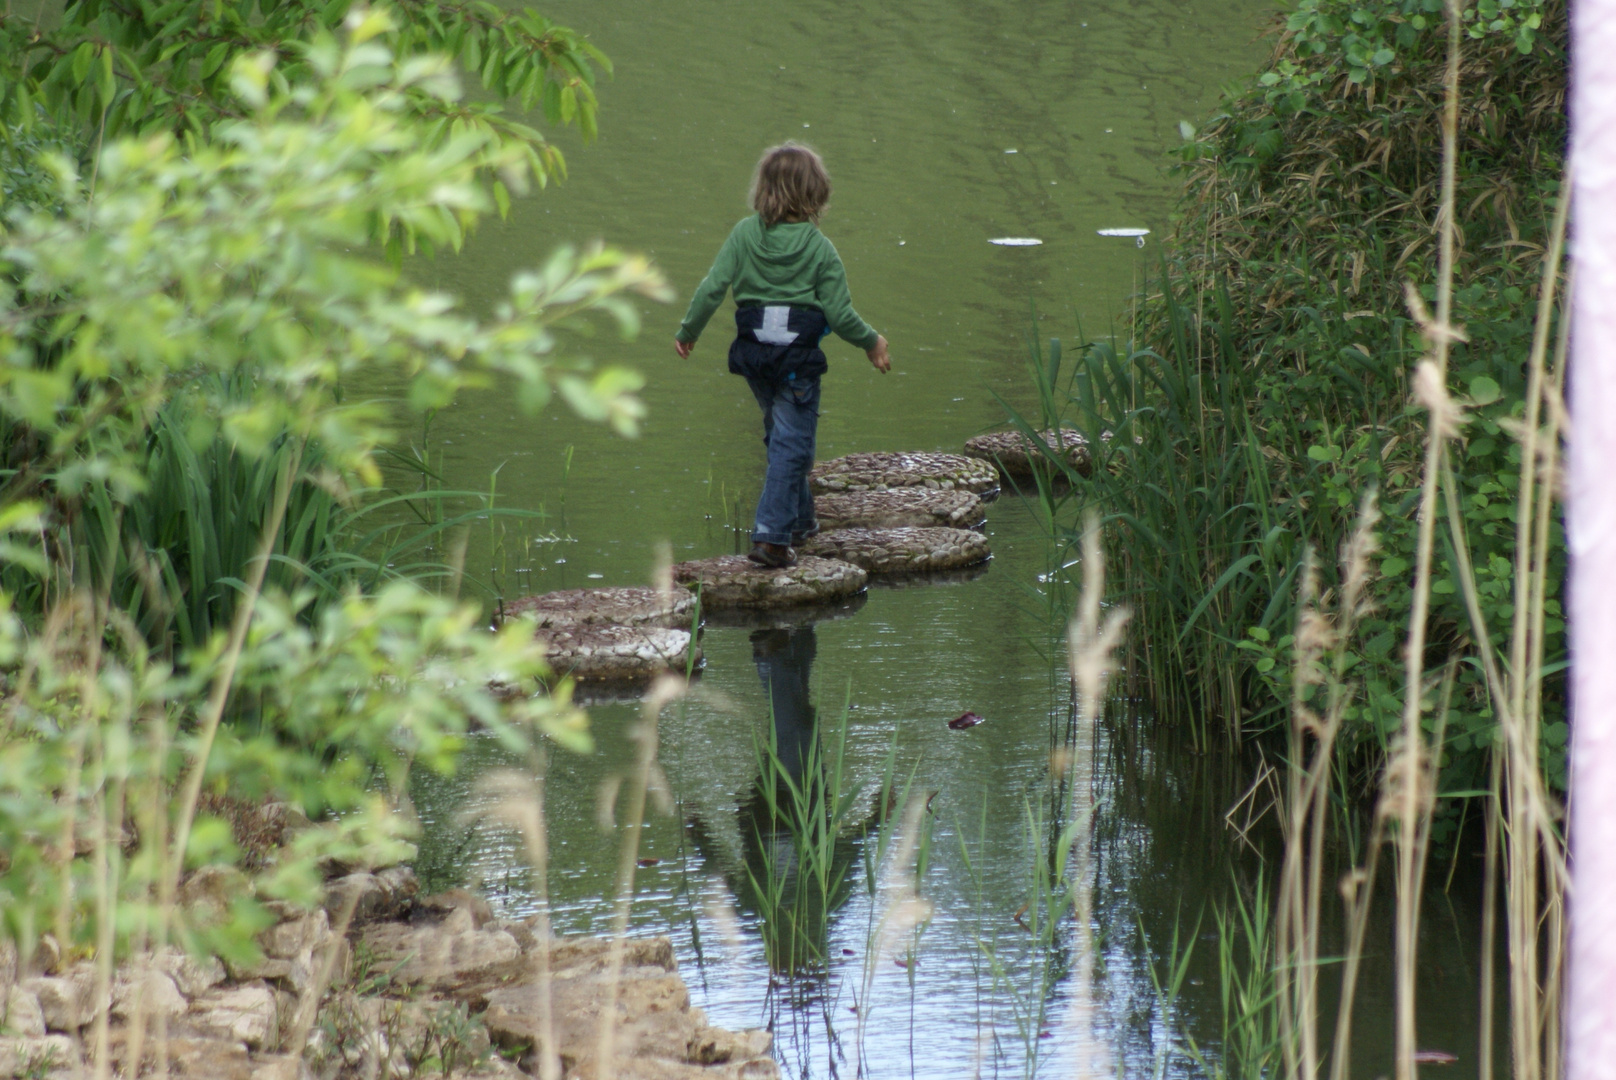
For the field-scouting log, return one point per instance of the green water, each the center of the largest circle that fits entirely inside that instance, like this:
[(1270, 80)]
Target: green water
[(917, 109)]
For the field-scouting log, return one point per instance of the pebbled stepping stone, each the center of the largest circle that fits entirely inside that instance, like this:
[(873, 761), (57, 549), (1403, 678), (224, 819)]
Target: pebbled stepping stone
[(872, 472), (625, 606), (615, 653), (902, 551), (736, 581), (895, 508), (1014, 452)]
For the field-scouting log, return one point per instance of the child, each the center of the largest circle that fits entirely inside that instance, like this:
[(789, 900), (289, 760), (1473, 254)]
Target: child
[(790, 291)]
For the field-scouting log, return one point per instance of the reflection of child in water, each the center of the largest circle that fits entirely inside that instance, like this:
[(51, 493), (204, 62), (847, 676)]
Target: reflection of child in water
[(790, 291), (771, 881), (785, 660)]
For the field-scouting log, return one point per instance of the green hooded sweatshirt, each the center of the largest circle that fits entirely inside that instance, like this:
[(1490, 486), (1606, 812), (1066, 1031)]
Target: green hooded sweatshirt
[(788, 263)]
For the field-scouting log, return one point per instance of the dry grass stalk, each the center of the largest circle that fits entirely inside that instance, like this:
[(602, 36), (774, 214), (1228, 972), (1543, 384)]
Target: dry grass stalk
[(516, 800), (1091, 654), (663, 692), (902, 909), (1413, 811), (1322, 658)]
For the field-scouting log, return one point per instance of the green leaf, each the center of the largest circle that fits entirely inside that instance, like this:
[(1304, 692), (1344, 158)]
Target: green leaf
[(108, 83), (210, 842), (1321, 453), (215, 59), (1484, 390)]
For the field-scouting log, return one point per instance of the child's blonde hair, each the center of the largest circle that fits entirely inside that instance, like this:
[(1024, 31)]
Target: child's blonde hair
[(790, 184)]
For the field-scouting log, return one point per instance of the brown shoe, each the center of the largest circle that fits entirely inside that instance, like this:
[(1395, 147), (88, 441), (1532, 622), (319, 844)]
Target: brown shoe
[(773, 556)]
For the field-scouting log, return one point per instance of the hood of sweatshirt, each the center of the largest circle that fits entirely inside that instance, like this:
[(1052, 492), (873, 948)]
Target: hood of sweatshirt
[(784, 244)]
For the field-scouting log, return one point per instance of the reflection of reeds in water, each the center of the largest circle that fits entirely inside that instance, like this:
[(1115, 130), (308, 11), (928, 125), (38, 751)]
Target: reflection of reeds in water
[(1049, 941), (899, 914)]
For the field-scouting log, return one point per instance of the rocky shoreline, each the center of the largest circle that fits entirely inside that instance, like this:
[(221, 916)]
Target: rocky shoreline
[(416, 986)]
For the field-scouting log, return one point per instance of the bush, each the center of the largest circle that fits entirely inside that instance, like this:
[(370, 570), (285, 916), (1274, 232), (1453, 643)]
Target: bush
[(177, 328), (1265, 390)]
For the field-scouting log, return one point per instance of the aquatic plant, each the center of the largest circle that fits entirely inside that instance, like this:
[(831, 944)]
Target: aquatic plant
[(807, 803)]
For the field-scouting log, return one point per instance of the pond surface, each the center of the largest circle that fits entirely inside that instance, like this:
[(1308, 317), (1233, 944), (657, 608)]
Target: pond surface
[(943, 125)]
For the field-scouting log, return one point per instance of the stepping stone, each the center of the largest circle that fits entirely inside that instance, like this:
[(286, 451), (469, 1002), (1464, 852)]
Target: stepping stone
[(906, 550), (736, 581), (873, 472), (615, 653), (894, 508), (1015, 453), (628, 606)]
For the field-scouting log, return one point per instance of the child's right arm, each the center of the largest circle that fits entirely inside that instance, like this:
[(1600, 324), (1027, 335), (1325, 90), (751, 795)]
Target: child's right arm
[(710, 293)]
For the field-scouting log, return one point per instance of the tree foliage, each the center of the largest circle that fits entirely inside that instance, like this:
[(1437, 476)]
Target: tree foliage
[(139, 68)]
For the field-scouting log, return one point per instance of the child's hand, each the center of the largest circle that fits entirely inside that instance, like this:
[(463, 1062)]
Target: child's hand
[(683, 348), (878, 355)]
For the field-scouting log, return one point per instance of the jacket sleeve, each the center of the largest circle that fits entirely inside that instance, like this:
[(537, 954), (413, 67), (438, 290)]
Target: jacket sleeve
[(710, 293), (830, 290)]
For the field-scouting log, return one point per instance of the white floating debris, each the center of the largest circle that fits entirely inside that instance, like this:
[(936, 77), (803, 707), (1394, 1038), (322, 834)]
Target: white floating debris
[(1009, 151), (1137, 234), (1016, 241), (597, 577)]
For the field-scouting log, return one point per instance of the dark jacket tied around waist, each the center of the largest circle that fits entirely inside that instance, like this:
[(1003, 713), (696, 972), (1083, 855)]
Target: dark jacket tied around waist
[(776, 343)]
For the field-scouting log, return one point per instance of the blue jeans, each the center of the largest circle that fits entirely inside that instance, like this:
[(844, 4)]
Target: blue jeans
[(790, 422)]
